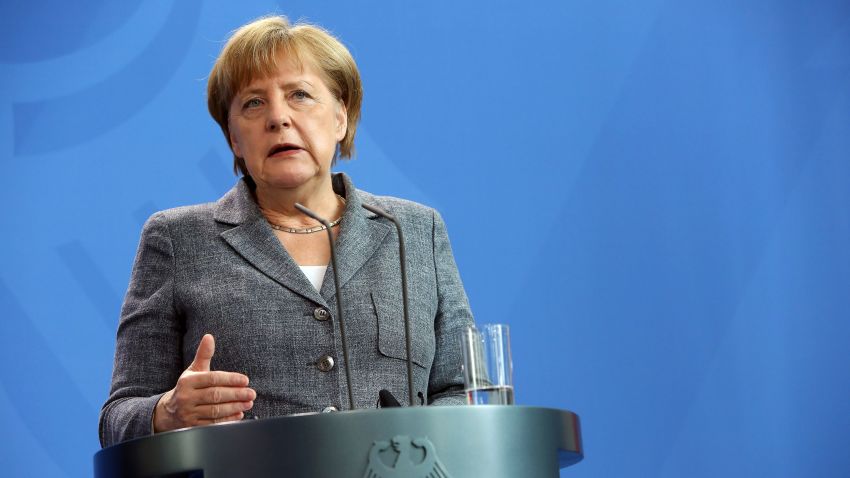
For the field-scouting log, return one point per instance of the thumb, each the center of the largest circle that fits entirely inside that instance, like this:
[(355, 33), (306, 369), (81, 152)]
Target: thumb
[(204, 355)]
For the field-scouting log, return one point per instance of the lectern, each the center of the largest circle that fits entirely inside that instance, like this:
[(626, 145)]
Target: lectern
[(434, 442)]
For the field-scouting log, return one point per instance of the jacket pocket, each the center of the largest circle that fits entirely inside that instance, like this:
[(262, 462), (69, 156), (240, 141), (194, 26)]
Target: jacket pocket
[(391, 337)]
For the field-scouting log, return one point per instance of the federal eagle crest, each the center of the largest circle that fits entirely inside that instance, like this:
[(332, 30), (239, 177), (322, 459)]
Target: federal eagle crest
[(403, 457)]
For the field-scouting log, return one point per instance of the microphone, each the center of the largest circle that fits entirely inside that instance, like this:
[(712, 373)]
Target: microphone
[(402, 257), (342, 336), (387, 400)]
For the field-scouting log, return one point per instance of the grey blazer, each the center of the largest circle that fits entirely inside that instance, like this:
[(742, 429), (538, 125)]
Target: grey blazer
[(218, 268)]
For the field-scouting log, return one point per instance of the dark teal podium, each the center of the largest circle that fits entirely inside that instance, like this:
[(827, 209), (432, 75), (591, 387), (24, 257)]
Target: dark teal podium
[(434, 442)]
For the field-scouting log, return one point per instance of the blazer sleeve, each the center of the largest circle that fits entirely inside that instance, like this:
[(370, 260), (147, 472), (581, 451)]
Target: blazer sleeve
[(445, 385), (148, 355)]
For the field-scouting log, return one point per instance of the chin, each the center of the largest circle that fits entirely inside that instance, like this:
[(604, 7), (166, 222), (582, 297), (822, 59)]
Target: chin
[(289, 181)]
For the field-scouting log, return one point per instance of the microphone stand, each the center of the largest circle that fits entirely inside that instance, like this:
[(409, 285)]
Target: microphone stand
[(403, 260), (327, 225)]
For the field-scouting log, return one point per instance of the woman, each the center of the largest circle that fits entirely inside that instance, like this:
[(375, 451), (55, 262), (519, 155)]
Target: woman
[(230, 312)]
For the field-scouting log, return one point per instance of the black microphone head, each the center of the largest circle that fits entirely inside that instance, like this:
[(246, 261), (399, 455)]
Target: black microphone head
[(387, 400)]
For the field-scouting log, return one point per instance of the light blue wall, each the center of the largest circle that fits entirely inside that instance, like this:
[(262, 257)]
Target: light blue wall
[(655, 195)]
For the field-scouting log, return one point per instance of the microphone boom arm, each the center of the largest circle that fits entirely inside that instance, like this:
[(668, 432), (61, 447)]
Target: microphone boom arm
[(327, 225), (403, 260)]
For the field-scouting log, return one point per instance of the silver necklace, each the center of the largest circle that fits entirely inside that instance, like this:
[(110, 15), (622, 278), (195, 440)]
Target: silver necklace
[(307, 230)]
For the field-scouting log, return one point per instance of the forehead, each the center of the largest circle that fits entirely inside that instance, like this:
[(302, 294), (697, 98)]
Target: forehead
[(284, 66)]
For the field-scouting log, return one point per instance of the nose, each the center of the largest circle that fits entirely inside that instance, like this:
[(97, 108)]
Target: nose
[(275, 123), (279, 116)]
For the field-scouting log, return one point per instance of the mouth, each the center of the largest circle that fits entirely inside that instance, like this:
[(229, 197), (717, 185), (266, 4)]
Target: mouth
[(284, 149)]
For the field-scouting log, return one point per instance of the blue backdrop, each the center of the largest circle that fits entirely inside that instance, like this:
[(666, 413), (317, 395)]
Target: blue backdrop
[(654, 195)]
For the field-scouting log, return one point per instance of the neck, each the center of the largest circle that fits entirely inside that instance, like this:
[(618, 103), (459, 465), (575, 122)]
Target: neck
[(278, 205)]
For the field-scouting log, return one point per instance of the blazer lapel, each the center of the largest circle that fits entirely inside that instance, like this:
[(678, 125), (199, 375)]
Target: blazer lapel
[(253, 239), (359, 237)]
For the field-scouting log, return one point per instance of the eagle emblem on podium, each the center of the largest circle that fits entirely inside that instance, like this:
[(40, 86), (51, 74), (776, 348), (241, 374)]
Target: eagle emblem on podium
[(403, 457)]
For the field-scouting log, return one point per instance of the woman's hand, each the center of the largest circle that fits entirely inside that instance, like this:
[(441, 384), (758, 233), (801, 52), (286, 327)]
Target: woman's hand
[(202, 397)]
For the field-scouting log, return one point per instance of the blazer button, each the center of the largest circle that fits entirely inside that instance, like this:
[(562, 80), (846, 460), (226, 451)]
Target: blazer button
[(320, 313), (326, 363)]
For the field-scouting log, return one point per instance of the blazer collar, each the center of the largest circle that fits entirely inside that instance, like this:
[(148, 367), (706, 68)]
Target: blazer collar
[(359, 237)]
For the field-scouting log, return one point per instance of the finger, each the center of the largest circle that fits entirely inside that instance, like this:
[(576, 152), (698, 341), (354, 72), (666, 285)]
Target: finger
[(213, 395), (204, 354), (218, 378), (232, 418), (220, 411)]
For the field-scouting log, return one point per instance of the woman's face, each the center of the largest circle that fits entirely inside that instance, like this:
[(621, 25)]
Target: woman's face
[(286, 127)]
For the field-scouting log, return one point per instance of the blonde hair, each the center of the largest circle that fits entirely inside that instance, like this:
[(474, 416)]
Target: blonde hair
[(253, 52)]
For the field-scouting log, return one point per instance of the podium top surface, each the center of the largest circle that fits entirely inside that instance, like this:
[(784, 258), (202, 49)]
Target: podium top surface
[(486, 440)]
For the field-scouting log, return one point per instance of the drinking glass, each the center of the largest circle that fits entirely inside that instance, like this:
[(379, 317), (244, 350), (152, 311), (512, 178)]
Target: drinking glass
[(487, 365)]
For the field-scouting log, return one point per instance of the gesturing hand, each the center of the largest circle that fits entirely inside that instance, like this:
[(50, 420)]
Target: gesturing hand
[(202, 397)]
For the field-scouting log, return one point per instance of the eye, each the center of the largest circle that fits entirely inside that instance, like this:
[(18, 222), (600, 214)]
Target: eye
[(252, 103), (300, 95)]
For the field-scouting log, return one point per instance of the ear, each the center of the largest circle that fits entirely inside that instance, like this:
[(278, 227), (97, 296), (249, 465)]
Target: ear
[(234, 142), (341, 121)]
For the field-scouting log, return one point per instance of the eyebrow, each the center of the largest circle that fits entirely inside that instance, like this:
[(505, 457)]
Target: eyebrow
[(297, 83), (286, 86), (251, 91)]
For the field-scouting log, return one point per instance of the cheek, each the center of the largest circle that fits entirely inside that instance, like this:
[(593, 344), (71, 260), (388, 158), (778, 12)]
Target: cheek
[(242, 140)]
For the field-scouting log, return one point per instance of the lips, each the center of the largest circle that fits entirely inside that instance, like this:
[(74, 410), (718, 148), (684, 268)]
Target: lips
[(284, 149)]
